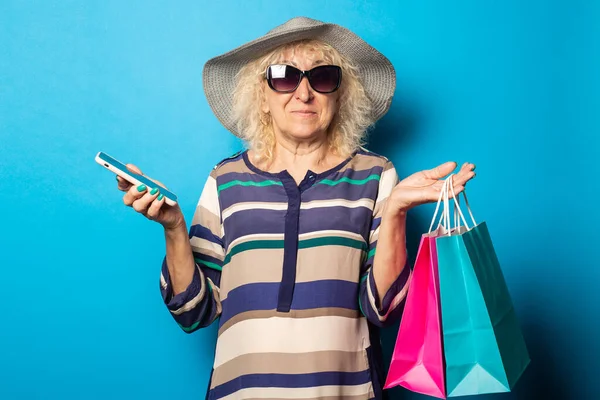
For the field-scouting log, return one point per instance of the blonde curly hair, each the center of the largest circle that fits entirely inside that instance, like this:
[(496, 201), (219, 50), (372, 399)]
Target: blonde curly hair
[(349, 126)]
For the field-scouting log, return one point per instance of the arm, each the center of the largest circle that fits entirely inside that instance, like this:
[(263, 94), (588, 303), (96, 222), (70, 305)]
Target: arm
[(384, 271), (180, 259), (390, 257), (191, 270)]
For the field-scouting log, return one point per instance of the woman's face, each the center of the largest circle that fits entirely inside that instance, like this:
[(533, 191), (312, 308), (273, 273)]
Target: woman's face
[(303, 114)]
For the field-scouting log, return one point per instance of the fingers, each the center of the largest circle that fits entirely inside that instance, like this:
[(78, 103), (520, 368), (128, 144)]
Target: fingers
[(155, 206), (145, 201), (465, 174), (134, 193), (459, 179), (457, 189), (142, 204), (440, 171), (135, 169), (467, 167), (159, 183), (122, 184)]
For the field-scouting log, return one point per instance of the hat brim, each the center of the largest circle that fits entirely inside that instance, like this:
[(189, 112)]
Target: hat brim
[(376, 72)]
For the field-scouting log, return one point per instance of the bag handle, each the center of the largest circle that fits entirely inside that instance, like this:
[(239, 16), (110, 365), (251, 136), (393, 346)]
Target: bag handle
[(444, 219), (437, 208), (457, 209)]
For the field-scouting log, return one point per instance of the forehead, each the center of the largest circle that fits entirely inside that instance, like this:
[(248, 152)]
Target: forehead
[(303, 56)]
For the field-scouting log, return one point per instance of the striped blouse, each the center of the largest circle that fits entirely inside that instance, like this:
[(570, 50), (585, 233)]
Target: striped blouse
[(286, 270)]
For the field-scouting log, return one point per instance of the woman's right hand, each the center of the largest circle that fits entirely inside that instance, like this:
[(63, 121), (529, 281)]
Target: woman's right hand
[(144, 202)]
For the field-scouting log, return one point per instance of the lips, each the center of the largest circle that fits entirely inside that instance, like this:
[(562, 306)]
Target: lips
[(304, 112)]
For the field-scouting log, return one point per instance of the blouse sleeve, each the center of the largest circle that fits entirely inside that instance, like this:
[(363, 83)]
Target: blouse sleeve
[(199, 305), (381, 311)]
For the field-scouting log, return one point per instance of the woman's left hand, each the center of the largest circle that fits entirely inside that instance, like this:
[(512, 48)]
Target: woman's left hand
[(425, 186)]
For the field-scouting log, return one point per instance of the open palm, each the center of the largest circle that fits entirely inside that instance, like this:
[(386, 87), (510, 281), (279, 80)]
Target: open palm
[(425, 186)]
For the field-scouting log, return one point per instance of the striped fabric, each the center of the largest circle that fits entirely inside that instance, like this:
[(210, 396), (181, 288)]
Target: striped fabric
[(286, 270)]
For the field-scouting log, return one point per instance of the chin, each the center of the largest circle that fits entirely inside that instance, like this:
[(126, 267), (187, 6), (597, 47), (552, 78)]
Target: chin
[(305, 133)]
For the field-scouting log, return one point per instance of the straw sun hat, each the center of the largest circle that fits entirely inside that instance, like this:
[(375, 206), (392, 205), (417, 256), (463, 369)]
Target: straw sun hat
[(375, 70)]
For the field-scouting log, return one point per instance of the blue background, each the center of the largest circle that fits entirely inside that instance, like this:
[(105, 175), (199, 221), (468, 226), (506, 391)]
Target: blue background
[(512, 86)]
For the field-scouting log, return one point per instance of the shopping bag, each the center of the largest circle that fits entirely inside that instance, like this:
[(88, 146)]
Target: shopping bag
[(418, 358), (484, 349), (417, 361)]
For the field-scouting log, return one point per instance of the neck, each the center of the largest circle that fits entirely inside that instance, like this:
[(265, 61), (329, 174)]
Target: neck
[(303, 155), (299, 156)]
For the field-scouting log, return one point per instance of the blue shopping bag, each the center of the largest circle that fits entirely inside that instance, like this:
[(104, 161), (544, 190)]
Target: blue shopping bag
[(484, 348)]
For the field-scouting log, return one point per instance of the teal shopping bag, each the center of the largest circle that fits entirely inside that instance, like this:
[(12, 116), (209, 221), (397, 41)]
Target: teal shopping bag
[(484, 348)]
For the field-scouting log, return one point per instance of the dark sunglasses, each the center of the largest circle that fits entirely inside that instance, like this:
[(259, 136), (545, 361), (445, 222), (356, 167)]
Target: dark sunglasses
[(286, 79)]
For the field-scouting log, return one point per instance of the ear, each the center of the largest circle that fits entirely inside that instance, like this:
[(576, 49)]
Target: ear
[(264, 106)]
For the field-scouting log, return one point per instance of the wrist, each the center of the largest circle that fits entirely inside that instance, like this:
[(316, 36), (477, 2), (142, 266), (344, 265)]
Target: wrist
[(176, 230), (394, 212)]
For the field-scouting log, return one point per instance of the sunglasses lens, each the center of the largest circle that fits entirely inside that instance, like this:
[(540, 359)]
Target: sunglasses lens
[(325, 79), (283, 78)]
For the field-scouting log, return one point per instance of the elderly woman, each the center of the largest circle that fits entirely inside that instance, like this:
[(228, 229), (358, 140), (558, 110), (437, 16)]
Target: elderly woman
[(297, 245)]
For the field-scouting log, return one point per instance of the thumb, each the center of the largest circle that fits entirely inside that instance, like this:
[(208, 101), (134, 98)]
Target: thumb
[(133, 168), (441, 170), (159, 183)]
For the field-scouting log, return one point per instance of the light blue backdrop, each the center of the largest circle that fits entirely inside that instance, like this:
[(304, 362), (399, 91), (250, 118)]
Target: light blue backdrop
[(511, 86)]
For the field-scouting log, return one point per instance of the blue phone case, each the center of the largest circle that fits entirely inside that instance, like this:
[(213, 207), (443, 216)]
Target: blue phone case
[(119, 165)]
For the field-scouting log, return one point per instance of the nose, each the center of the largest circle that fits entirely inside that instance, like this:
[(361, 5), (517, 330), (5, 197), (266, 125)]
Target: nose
[(304, 91)]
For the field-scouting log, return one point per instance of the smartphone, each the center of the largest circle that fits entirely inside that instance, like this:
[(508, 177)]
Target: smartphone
[(120, 169)]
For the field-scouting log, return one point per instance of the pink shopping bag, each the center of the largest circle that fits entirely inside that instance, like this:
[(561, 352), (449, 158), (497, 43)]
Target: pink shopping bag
[(418, 359)]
